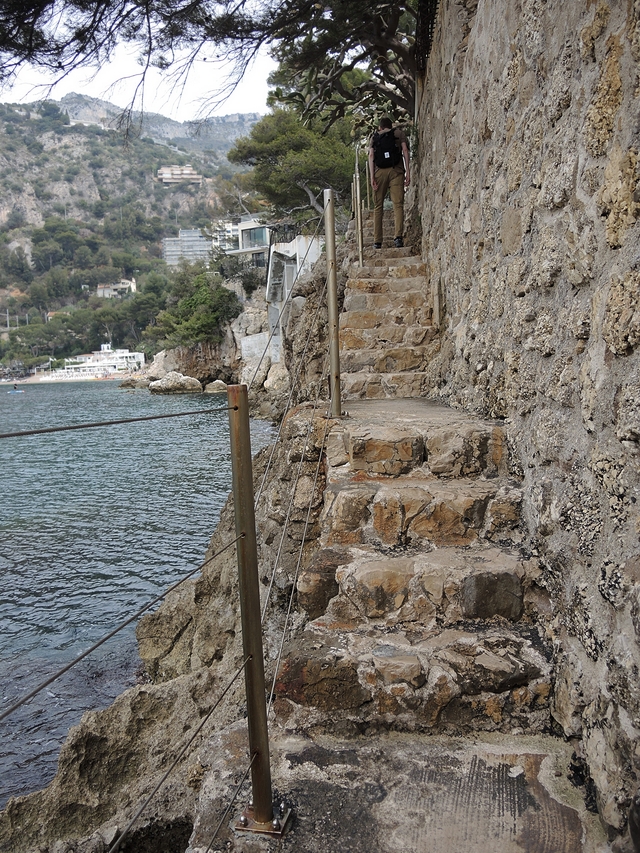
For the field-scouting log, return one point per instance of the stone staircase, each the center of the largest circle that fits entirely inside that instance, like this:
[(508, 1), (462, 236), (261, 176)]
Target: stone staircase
[(386, 336), (423, 611), (413, 697)]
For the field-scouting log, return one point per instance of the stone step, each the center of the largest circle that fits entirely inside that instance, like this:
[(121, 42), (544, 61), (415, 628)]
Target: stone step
[(434, 589), (381, 337), (388, 253), (411, 297), (386, 360), (388, 284), (377, 265), (408, 792), (492, 678), (385, 386), (395, 437), (394, 311), (418, 510)]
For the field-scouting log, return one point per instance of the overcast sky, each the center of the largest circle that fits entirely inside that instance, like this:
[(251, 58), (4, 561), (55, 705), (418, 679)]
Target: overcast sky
[(109, 85)]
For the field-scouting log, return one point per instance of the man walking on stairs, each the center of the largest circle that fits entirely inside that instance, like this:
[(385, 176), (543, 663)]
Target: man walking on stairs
[(389, 170)]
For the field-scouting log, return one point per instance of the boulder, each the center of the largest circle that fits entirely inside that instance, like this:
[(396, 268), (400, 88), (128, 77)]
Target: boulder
[(216, 387), (135, 382), (163, 362), (175, 383)]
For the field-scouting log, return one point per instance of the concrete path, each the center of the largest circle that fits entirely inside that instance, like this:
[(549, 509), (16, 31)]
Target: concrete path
[(403, 793)]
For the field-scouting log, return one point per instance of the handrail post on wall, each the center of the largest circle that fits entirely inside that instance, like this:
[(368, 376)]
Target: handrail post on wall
[(358, 206), (332, 304), (259, 816)]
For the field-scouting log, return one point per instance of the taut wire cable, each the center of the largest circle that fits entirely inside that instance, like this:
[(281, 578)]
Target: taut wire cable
[(111, 423), (233, 799), (284, 305), (112, 633), (297, 571), (116, 845), (293, 490)]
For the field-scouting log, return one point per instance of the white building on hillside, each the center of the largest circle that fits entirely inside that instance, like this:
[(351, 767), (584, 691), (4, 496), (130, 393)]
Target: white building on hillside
[(253, 241), (117, 290), (225, 235), (100, 364), (179, 174), (190, 245)]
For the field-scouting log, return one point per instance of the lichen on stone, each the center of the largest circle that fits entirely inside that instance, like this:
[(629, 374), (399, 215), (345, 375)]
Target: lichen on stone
[(621, 330), (607, 100), (617, 196)]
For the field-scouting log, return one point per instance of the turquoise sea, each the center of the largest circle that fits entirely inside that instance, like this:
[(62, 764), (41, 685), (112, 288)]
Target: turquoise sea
[(93, 524)]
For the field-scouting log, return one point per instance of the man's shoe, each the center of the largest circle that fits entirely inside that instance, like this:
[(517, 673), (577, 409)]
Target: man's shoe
[(377, 245), (398, 243)]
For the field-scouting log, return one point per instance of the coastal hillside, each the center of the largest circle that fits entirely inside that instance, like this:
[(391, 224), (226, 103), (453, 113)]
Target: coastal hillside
[(81, 206)]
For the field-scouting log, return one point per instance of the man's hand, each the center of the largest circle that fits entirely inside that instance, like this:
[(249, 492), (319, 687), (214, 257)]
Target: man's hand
[(407, 179)]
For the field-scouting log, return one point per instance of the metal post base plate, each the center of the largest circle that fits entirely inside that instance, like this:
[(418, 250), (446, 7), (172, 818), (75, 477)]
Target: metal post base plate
[(275, 828)]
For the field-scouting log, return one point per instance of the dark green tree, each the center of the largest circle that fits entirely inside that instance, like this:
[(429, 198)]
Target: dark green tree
[(199, 311), (294, 162)]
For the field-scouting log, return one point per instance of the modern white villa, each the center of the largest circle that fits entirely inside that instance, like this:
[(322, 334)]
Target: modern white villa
[(100, 364)]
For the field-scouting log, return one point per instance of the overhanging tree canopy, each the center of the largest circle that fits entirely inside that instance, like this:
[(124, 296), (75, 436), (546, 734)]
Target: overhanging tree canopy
[(318, 44)]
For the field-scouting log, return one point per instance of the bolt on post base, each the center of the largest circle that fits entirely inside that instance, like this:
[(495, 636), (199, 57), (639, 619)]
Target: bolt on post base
[(275, 827)]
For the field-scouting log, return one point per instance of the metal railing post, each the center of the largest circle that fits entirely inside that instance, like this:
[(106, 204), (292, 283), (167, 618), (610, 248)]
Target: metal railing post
[(250, 602), (332, 304), (358, 201)]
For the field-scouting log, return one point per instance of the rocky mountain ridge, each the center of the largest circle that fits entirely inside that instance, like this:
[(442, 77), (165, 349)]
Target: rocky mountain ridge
[(214, 134)]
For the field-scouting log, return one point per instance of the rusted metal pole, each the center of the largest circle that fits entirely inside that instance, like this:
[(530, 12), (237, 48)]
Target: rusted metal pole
[(332, 303), (359, 209), (250, 602)]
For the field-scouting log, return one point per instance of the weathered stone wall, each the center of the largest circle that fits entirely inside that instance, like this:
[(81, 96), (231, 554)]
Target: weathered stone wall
[(527, 199)]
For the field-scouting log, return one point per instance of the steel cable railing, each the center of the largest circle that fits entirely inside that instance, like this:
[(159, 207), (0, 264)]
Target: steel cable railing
[(299, 563), (231, 802), (116, 845), (328, 419), (291, 393), (112, 633), (44, 430), (276, 325), (293, 493)]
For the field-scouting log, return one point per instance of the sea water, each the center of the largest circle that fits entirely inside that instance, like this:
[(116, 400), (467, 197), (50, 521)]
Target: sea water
[(94, 523)]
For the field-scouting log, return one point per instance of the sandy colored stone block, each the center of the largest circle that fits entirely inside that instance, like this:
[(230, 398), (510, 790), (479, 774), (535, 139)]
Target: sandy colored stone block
[(442, 524), (400, 359), (321, 679), (607, 101), (385, 451), (617, 197), (345, 513), (394, 667), (317, 584), (381, 586), (622, 318), (511, 231), (352, 339), (336, 448)]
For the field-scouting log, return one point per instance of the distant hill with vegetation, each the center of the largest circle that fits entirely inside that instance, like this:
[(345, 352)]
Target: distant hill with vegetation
[(81, 206)]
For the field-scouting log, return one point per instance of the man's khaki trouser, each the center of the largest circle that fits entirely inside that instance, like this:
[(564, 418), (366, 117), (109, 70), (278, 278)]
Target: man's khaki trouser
[(391, 180)]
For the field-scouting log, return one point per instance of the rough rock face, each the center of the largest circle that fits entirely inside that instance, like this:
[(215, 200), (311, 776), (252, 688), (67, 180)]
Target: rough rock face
[(528, 196), (238, 358)]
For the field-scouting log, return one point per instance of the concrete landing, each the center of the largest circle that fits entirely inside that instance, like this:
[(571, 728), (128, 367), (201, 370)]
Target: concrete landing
[(408, 794)]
